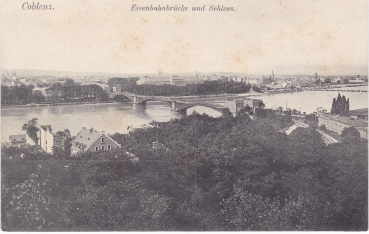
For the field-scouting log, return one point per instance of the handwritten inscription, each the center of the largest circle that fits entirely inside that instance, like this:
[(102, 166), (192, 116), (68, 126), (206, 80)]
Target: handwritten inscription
[(136, 7), (36, 6)]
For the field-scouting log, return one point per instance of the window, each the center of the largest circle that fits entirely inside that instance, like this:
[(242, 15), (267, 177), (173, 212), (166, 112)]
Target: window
[(102, 148), (97, 148), (102, 140), (109, 147)]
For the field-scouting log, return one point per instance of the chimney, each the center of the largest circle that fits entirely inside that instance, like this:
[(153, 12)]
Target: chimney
[(84, 128), (91, 130), (102, 132)]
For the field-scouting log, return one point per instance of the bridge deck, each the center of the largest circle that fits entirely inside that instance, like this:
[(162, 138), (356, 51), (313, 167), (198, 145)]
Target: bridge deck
[(179, 105)]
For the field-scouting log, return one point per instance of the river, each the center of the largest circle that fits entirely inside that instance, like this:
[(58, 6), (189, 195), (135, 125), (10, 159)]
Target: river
[(116, 117)]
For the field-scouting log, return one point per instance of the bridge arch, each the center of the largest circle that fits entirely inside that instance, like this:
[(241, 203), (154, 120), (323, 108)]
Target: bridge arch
[(145, 100), (182, 108), (142, 99), (130, 97)]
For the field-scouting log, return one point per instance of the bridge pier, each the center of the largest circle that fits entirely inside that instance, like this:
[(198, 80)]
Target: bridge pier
[(182, 112), (174, 106), (138, 106), (135, 99), (142, 104)]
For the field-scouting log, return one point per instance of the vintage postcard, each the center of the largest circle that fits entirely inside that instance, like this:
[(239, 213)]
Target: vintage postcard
[(184, 115)]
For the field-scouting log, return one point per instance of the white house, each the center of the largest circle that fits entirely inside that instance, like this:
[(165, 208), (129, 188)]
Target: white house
[(46, 138)]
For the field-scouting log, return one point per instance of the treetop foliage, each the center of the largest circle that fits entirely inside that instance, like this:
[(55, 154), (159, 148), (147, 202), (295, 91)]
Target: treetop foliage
[(340, 106), (212, 174)]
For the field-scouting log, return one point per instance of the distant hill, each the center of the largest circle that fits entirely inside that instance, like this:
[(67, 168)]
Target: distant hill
[(31, 72), (278, 71)]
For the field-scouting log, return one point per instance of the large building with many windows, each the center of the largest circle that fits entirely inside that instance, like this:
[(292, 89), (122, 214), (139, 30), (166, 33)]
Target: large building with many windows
[(93, 141), (338, 123)]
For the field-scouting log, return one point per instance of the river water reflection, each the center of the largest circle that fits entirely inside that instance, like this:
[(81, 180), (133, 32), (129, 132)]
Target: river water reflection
[(108, 117), (116, 117)]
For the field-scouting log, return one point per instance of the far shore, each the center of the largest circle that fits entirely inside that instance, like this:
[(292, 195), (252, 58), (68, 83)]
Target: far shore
[(54, 104), (202, 97)]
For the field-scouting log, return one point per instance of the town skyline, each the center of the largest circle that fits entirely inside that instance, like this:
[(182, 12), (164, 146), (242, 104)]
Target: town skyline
[(360, 70)]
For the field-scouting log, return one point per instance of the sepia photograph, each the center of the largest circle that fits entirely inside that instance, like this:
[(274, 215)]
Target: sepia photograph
[(184, 115)]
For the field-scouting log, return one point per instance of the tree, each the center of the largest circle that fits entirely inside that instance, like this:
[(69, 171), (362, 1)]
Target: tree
[(327, 80), (38, 97), (340, 106), (350, 134), (31, 129), (69, 82), (347, 109), (67, 143), (312, 120), (256, 89), (261, 104)]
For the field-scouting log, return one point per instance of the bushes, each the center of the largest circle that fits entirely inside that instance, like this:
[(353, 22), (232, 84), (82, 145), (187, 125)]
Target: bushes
[(213, 174)]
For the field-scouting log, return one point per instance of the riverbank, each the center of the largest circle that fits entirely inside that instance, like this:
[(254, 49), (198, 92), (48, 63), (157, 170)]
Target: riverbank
[(56, 104)]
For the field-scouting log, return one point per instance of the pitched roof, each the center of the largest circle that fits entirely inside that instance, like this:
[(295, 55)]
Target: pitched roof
[(17, 138), (86, 138), (45, 127)]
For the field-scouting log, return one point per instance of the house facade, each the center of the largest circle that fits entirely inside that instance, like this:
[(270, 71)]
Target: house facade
[(332, 125), (234, 105), (46, 138), (253, 103), (92, 141), (59, 142), (18, 140), (338, 123)]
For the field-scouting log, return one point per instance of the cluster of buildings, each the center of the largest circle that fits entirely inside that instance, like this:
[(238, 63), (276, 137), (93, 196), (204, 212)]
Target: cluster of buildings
[(87, 140), (173, 79), (269, 83), (11, 79), (36, 82), (337, 123), (46, 139), (235, 105)]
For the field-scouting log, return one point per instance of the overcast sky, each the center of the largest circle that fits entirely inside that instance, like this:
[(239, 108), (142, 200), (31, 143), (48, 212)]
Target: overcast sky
[(289, 37)]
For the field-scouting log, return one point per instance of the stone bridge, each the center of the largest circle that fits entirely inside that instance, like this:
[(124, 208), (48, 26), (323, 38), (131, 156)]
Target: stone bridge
[(178, 106)]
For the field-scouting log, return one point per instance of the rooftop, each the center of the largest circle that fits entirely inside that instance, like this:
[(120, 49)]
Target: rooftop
[(350, 121), (85, 138), (45, 127), (17, 138), (363, 111)]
